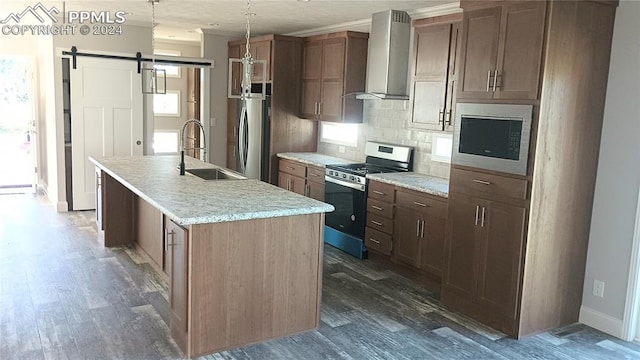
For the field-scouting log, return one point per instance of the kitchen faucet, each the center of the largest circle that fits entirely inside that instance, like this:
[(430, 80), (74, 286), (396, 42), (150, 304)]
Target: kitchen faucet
[(184, 140)]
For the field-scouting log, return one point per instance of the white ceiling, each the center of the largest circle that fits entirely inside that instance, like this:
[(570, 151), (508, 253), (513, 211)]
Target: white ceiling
[(182, 19)]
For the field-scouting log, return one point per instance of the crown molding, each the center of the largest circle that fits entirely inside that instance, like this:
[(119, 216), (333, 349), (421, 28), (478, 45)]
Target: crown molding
[(433, 11), (360, 25)]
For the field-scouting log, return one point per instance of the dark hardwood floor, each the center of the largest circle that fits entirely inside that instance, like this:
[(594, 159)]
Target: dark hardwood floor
[(63, 296)]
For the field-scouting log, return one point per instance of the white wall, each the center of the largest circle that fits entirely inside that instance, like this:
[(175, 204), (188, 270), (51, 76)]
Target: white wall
[(19, 45), (214, 47), (616, 193)]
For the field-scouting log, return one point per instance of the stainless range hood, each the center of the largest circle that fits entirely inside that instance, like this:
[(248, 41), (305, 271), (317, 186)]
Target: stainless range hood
[(388, 58)]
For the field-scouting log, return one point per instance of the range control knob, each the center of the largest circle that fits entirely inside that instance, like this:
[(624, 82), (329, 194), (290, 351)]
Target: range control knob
[(352, 178), (344, 176), (358, 179)]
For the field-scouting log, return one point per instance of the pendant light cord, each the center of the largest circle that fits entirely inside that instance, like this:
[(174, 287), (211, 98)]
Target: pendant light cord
[(247, 52)]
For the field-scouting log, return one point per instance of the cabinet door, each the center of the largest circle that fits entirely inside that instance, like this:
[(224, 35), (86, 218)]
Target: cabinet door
[(452, 80), (284, 180), (261, 51), (432, 245), (406, 238), (501, 256), (311, 79), (333, 58), (480, 37), (520, 50), (298, 185), (234, 53), (463, 234), (315, 190), (428, 104), (177, 238)]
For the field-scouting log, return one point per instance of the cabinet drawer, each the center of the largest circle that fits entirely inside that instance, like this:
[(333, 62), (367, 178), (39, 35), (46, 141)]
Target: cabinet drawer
[(380, 208), (476, 183), (380, 223), (421, 203), (382, 191), (378, 241), (315, 174), (292, 167)]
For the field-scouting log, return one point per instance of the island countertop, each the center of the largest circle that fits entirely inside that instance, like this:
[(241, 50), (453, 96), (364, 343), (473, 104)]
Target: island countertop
[(189, 200)]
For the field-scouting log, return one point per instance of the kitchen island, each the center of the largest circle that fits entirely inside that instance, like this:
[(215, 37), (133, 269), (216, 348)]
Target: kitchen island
[(243, 258)]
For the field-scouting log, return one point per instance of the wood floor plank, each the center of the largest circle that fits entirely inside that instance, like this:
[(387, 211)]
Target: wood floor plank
[(64, 296)]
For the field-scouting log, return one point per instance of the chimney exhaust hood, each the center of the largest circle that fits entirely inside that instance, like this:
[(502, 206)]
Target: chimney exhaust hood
[(388, 57)]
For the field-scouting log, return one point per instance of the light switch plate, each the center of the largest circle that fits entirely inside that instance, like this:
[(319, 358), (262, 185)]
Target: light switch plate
[(342, 149), (598, 288)]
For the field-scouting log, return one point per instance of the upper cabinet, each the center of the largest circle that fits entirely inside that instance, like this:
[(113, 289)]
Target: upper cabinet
[(436, 46), (502, 51), (334, 67)]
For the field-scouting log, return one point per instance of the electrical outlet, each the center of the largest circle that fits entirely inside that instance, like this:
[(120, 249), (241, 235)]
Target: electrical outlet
[(598, 288), (342, 149)]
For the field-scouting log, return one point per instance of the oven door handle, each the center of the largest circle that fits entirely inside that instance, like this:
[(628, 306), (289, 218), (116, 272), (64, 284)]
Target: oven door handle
[(359, 187)]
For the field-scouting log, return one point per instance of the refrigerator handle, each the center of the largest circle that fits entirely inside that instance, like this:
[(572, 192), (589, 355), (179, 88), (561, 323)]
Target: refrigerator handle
[(241, 138)]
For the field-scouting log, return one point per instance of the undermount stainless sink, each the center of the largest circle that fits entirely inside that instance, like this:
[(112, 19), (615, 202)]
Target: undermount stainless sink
[(214, 174)]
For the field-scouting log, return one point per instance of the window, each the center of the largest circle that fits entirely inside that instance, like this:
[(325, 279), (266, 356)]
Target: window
[(165, 142), (167, 104), (341, 134), (172, 71), (441, 148)]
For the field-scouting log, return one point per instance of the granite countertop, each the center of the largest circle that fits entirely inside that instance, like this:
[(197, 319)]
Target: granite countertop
[(314, 159), (424, 183), (189, 200)]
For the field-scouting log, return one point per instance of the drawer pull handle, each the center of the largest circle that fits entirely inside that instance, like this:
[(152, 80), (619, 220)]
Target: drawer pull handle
[(376, 223), (314, 174), (376, 208), (378, 192), (481, 182), (374, 241), (420, 204), (290, 168)]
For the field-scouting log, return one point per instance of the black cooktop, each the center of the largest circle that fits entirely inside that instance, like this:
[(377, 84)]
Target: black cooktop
[(361, 168)]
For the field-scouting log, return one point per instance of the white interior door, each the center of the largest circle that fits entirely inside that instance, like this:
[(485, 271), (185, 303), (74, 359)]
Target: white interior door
[(106, 119)]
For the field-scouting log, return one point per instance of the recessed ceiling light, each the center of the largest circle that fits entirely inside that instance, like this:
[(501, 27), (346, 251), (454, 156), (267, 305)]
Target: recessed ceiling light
[(171, 36), (214, 24), (191, 31), (304, 0)]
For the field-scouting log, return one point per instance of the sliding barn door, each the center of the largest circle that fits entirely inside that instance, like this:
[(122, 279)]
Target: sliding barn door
[(106, 119)]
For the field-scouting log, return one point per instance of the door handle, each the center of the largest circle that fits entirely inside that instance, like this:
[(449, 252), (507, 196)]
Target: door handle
[(315, 108), (422, 229), (489, 80), (167, 244), (441, 116), (449, 117), (306, 190), (495, 81), (477, 212), (481, 182), (482, 223), (418, 228), (289, 184)]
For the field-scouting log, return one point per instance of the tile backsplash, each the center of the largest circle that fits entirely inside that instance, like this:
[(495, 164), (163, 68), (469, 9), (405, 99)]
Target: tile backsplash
[(386, 121)]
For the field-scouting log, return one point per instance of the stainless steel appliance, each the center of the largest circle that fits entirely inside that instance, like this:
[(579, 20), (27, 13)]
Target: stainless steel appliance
[(252, 145), (346, 190), (492, 136)]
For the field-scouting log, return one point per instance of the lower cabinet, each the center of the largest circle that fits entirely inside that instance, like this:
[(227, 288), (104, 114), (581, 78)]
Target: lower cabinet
[(177, 255), (484, 250), (302, 179), (407, 225), (420, 230)]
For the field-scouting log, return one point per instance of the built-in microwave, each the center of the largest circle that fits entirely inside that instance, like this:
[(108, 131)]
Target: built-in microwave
[(492, 136)]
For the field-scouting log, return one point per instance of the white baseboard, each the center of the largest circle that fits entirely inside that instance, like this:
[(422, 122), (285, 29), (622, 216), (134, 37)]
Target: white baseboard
[(601, 321), (62, 206)]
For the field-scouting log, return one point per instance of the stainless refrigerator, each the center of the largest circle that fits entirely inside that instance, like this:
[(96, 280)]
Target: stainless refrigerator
[(252, 144)]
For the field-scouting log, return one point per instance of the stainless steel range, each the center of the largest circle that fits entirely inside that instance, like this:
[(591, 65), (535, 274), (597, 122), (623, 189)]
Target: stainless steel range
[(346, 190)]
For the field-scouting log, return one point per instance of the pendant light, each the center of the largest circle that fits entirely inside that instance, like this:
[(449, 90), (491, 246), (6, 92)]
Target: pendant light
[(154, 81), (246, 66)]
